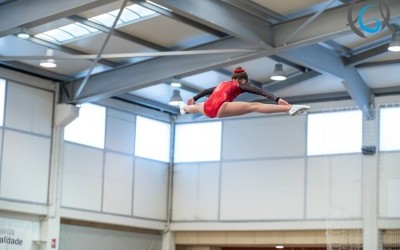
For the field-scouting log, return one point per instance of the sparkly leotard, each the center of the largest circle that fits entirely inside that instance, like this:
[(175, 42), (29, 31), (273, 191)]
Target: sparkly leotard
[(227, 92)]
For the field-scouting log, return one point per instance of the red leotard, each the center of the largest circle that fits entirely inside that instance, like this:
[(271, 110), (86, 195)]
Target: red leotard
[(224, 92), (227, 92)]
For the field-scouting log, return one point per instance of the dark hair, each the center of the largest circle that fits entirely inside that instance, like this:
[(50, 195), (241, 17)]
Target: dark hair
[(240, 73)]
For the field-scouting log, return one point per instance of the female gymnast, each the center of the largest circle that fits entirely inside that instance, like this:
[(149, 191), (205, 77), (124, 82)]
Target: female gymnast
[(220, 104)]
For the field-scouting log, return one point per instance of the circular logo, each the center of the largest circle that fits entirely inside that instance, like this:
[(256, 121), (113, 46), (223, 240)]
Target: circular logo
[(360, 19)]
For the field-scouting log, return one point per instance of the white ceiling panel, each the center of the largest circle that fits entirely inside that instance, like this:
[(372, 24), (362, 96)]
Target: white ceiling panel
[(317, 85), (167, 32), (286, 7), (20, 47), (206, 80), (103, 9), (389, 55), (352, 41), (381, 76)]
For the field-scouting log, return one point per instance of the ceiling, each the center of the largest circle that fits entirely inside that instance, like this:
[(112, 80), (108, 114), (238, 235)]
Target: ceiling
[(199, 43)]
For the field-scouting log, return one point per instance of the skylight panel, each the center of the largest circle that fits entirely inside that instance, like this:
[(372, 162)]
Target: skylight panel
[(66, 33), (75, 30), (105, 19), (59, 35), (47, 38), (143, 12), (126, 15)]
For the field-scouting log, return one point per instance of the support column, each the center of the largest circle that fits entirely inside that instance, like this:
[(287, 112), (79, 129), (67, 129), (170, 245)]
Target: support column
[(168, 241), (50, 224), (370, 188)]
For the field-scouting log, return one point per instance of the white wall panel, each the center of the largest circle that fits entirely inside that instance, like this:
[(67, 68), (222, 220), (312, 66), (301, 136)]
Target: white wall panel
[(196, 192), (318, 187), (389, 185), (118, 181), (82, 177), (334, 186), (25, 167), (29, 109), (120, 131), (150, 189), (263, 190), (78, 237), (277, 136)]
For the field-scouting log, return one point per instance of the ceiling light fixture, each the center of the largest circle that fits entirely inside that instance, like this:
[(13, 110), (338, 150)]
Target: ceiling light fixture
[(175, 98), (48, 63), (176, 84), (23, 34), (279, 247), (278, 74), (394, 45)]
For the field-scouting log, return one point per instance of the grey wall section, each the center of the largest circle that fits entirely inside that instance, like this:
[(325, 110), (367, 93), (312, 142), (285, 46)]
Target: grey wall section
[(78, 237), (26, 143)]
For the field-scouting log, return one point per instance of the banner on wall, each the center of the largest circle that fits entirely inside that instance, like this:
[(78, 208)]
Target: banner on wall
[(15, 234)]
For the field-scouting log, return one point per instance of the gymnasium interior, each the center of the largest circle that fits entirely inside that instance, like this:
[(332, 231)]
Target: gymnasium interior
[(95, 154)]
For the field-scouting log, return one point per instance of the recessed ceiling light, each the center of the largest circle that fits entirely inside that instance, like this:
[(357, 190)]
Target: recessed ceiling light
[(23, 34), (49, 63)]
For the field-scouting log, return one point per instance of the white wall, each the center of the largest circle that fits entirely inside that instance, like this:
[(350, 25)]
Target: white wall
[(265, 176), (113, 182), (26, 143)]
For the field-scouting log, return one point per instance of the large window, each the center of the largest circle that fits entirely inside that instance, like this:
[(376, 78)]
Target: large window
[(152, 139), (389, 132), (334, 133), (2, 100), (198, 142), (89, 127)]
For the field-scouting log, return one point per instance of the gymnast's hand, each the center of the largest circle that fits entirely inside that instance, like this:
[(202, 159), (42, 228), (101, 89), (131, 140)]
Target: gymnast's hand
[(282, 102), (191, 101)]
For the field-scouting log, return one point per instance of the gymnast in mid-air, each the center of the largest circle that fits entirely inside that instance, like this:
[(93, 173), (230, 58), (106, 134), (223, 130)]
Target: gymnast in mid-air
[(220, 102)]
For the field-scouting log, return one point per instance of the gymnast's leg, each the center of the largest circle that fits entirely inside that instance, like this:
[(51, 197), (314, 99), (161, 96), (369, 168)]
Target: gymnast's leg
[(240, 108), (191, 109)]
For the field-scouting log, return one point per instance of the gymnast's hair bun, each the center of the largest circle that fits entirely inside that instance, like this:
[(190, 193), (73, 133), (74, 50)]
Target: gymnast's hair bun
[(238, 70)]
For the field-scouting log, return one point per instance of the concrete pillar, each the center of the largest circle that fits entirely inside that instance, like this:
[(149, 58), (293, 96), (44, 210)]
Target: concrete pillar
[(168, 241), (370, 188), (50, 224)]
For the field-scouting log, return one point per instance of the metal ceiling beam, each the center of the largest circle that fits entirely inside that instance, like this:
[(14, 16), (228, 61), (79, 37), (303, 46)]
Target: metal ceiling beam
[(127, 79), (337, 48), (68, 50), (28, 14), (378, 63), (275, 86), (224, 17), (35, 71), (117, 33), (151, 72), (179, 18), (364, 56), (331, 24), (287, 62), (229, 75), (257, 10), (327, 97), (312, 56), (146, 102)]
